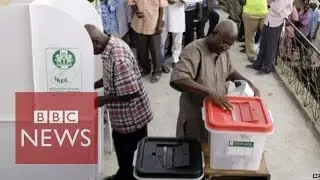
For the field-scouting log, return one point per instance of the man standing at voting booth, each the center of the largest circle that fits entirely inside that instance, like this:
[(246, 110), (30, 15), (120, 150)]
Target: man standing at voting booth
[(204, 70), (124, 96)]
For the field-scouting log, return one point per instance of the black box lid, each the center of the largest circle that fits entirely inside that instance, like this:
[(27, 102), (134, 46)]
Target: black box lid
[(177, 158)]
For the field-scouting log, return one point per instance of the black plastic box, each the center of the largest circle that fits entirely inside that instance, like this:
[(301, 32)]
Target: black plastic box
[(169, 158)]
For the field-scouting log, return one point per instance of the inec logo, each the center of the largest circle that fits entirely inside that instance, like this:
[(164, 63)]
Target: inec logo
[(63, 59)]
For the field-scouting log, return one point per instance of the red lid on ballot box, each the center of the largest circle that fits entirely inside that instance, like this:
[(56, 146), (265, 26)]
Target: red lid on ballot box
[(249, 115)]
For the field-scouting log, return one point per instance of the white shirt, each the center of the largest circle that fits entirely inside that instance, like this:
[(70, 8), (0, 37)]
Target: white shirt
[(175, 17), (279, 10)]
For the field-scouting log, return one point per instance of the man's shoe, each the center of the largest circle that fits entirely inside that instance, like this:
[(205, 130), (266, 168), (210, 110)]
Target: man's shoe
[(243, 46), (165, 69), (250, 66)]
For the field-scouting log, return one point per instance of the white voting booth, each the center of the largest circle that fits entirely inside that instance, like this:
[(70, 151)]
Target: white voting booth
[(30, 33)]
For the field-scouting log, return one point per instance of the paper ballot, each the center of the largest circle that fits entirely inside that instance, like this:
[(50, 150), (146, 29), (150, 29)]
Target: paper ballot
[(243, 90)]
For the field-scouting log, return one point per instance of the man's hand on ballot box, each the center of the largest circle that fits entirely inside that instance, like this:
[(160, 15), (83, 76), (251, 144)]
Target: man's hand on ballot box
[(220, 101)]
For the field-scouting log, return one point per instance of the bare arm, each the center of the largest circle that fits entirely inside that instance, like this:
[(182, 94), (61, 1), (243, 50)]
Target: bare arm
[(102, 100), (189, 85)]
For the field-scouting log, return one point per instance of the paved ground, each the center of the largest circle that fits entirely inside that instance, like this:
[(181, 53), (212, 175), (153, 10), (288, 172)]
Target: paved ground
[(292, 151)]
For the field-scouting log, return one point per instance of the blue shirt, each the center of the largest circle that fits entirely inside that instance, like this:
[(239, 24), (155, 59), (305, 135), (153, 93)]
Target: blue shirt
[(315, 19), (109, 18)]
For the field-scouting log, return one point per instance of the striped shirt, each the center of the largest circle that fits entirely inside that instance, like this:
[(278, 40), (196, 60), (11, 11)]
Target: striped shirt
[(121, 76)]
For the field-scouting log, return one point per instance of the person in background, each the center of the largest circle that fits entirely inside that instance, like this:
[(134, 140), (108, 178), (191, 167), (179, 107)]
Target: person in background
[(241, 36), (109, 17), (174, 23), (234, 9), (270, 35), (298, 9), (204, 70), (203, 20), (304, 27), (193, 13), (148, 23), (315, 19), (213, 16), (254, 13), (124, 96), (286, 43)]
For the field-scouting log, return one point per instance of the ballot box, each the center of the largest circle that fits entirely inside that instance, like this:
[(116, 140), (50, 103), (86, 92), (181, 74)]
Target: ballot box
[(212, 174)]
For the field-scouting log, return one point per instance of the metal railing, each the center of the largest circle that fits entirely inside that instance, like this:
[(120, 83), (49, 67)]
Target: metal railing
[(302, 71)]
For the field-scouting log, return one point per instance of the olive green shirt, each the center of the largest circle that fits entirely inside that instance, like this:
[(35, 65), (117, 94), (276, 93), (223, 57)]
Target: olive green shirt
[(206, 68)]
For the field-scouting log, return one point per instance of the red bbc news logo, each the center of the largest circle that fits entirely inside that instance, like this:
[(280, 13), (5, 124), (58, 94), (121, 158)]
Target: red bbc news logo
[(56, 128)]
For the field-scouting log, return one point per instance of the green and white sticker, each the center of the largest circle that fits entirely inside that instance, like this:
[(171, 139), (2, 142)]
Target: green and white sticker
[(240, 148), (63, 70)]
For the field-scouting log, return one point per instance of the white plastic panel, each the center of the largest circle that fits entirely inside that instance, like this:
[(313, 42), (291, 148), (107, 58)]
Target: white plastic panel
[(15, 57), (53, 28)]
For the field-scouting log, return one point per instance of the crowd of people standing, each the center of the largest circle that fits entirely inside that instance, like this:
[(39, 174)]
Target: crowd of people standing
[(151, 23)]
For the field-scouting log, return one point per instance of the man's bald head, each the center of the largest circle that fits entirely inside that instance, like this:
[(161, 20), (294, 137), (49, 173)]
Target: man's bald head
[(227, 27), (223, 36), (99, 39), (93, 31)]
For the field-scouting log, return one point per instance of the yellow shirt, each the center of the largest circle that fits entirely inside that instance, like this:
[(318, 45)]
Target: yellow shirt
[(256, 7)]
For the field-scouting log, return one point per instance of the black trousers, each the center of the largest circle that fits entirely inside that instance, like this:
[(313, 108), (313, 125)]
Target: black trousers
[(241, 30), (125, 146), (258, 36), (200, 25), (269, 43), (190, 25), (213, 20), (146, 43)]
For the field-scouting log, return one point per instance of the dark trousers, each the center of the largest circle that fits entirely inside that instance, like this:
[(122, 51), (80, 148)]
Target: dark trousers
[(241, 30), (125, 146), (133, 37), (170, 40), (213, 21), (269, 43), (190, 25), (146, 43), (200, 25), (258, 36)]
